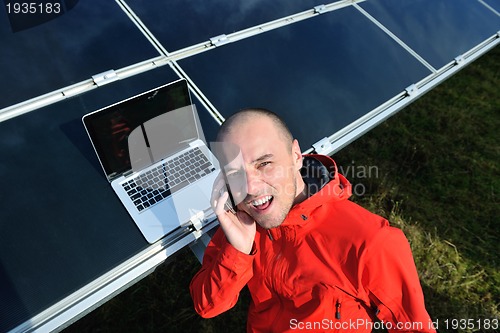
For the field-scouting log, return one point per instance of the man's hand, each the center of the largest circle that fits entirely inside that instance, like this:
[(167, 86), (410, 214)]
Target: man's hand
[(239, 228)]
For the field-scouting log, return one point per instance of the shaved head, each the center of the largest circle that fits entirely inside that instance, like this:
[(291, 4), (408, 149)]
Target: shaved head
[(246, 115)]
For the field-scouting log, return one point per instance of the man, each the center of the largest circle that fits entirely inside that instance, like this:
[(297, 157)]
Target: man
[(312, 259)]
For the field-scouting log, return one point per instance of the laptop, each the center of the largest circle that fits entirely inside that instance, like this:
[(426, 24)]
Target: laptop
[(153, 152)]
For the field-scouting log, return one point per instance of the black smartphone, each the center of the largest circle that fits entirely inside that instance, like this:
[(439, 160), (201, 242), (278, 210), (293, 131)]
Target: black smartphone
[(229, 205)]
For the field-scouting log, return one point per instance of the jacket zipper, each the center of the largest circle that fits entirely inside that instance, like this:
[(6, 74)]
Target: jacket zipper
[(338, 306), (273, 271), (275, 267), (338, 303)]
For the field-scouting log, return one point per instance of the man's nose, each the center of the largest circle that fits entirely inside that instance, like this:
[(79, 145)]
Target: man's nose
[(253, 182)]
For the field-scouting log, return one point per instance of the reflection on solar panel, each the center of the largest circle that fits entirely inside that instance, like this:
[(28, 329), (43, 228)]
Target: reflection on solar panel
[(332, 71)]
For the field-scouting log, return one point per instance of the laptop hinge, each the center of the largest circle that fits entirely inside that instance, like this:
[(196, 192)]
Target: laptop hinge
[(112, 176), (104, 78), (128, 173)]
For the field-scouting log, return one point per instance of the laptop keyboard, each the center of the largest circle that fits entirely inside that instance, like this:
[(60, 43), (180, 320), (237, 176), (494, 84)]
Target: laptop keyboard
[(157, 184)]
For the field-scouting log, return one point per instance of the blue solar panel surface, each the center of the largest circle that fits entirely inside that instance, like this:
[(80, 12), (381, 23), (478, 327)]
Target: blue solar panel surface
[(438, 30), (178, 24), (325, 67), (61, 225), (90, 38)]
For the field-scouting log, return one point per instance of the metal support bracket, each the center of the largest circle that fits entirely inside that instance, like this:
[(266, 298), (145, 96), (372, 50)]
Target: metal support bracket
[(197, 221), (219, 40), (412, 90), (319, 9), (202, 239), (459, 61), (323, 146), (105, 78)]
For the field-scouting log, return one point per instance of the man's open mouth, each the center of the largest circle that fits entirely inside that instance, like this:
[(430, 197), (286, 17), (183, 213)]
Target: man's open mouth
[(262, 203)]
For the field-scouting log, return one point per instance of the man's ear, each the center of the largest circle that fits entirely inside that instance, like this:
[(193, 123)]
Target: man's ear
[(296, 154)]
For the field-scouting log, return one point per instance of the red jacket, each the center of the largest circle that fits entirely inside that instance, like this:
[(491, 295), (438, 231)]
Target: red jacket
[(331, 265)]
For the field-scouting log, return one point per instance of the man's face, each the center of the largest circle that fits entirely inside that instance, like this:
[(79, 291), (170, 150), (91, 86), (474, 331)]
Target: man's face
[(264, 177)]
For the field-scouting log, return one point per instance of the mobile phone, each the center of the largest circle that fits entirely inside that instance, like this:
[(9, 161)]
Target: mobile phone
[(229, 205)]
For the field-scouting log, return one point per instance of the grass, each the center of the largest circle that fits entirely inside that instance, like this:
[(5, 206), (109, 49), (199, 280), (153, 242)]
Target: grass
[(437, 178), (438, 167)]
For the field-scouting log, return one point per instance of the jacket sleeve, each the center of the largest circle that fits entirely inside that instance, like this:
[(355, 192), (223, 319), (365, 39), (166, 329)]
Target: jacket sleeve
[(391, 281), (224, 272)]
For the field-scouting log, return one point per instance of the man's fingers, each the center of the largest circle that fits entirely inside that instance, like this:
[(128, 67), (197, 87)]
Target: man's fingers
[(219, 204), (216, 190)]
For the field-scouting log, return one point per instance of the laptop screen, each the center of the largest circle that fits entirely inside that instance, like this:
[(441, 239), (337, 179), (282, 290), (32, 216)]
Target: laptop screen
[(109, 128)]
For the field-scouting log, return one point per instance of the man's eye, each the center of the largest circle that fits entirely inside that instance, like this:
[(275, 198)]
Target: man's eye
[(263, 164)]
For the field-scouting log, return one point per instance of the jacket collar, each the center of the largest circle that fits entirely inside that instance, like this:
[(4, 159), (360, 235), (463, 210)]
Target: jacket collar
[(336, 189)]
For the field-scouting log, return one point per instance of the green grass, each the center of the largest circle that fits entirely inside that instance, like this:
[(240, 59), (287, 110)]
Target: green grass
[(438, 167), (437, 178)]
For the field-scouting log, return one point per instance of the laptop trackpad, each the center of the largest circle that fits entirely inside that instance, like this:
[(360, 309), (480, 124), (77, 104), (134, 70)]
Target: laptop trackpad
[(189, 202), (177, 210)]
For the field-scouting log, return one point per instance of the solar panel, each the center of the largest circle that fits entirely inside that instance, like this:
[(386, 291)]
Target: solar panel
[(178, 24), (86, 40), (330, 70), (492, 5), (438, 30), (334, 68), (63, 227)]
